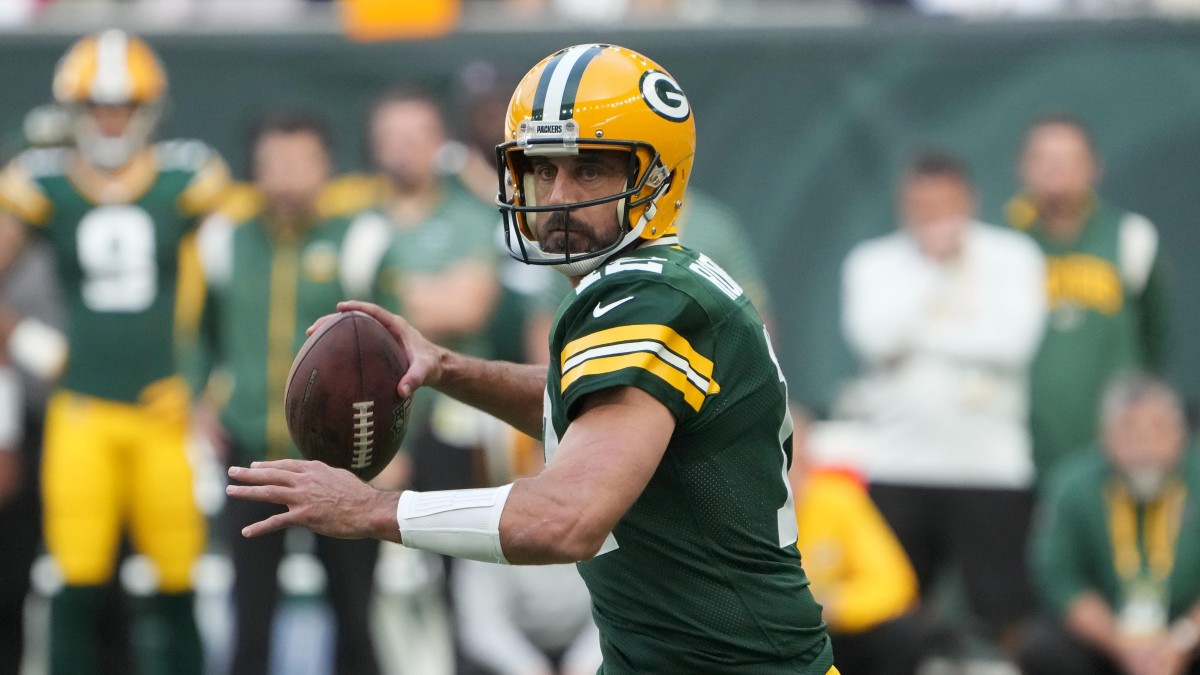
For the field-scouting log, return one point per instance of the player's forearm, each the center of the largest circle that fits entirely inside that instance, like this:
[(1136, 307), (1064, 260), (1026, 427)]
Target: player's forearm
[(511, 392)]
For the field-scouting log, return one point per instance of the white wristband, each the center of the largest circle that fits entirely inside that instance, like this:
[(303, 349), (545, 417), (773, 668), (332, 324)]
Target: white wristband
[(12, 409), (38, 349), (459, 523)]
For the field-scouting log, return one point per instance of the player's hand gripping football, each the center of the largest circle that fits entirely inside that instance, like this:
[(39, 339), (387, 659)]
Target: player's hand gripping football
[(424, 357)]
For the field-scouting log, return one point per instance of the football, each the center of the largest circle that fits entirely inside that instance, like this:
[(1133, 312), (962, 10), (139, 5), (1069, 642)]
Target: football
[(341, 403)]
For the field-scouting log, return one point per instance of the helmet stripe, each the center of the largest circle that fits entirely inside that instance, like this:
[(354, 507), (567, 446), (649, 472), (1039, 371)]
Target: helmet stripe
[(112, 84), (556, 104), (567, 107), (539, 97)]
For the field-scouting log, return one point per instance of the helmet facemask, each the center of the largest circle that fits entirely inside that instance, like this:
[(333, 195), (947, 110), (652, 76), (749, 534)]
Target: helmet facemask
[(113, 152), (635, 204), (110, 68)]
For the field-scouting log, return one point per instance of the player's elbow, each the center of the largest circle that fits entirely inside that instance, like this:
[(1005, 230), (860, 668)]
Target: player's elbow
[(565, 537), (581, 542)]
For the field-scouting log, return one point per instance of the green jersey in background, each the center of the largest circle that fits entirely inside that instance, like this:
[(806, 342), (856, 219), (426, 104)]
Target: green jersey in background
[(266, 287), (1093, 536), (1107, 315), (117, 246)]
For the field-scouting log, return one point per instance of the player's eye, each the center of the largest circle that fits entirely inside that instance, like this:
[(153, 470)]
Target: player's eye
[(590, 172), (544, 172)]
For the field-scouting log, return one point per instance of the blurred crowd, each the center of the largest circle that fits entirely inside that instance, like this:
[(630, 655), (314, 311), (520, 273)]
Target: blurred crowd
[(1009, 484), (16, 13)]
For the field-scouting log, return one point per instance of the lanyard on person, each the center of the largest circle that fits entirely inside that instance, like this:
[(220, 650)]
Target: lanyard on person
[(1144, 578)]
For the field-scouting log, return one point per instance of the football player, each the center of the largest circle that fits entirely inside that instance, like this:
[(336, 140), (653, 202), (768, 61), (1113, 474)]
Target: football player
[(665, 422), (117, 211), (270, 272)]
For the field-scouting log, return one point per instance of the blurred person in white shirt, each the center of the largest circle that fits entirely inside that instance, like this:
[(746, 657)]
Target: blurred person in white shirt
[(945, 315)]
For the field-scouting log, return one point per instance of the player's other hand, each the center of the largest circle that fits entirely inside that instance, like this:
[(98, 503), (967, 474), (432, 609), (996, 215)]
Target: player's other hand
[(328, 501), (424, 357)]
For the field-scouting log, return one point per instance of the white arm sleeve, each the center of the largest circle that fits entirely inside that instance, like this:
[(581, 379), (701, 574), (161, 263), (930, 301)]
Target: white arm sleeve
[(483, 604), (459, 523), (215, 242), (366, 242), (1137, 249)]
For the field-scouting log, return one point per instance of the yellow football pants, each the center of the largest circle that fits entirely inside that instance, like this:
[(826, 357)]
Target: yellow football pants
[(109, 463)]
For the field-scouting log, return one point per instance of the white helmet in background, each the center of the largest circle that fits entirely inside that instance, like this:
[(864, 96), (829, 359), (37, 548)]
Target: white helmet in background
[(111, 69)]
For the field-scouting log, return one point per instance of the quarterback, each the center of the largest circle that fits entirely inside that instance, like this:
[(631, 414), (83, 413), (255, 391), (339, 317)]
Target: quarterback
[(116, 210), (663, 410)]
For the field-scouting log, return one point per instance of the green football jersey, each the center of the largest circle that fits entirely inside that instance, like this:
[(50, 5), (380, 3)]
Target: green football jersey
[(265, 289), (701, 575), (706, 224), (117, 243), (1107, 316)]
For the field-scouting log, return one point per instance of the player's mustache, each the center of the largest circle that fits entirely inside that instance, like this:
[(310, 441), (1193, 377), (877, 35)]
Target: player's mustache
[(563, 220)]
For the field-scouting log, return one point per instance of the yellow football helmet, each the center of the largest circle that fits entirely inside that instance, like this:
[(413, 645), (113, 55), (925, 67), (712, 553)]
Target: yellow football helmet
[(597, 97), (111, 69)]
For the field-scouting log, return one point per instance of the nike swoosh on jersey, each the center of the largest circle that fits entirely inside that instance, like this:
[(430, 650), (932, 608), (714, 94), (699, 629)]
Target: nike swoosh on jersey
[(602, 309)]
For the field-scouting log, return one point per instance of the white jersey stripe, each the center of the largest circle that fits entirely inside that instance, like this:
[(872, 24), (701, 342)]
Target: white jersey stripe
[(675, 360)]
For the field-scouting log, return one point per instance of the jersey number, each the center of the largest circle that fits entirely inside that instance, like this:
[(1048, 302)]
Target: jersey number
[(117, 256), (789, 531)]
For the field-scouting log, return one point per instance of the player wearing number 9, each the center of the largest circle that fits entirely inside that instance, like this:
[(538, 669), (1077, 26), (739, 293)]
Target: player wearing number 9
[(118, 212), (663, 411)]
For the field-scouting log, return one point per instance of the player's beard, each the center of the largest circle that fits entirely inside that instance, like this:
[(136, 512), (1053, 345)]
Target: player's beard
[(563, 230)]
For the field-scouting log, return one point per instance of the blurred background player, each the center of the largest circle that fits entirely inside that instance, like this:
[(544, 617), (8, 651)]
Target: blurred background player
[(945, 315), (1117, 550), (115, 210), (442, 249), (708, 224), (271, 274), (1106, 284)]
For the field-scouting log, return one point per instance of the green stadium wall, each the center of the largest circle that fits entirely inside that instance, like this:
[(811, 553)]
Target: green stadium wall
[(802, 130)]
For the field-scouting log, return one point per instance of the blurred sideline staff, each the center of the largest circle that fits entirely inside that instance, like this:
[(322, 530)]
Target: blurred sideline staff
[(118, 212), (945, 314), (272, 271), (1117, 547), (445, 264), (859, 573), (1106, 283)]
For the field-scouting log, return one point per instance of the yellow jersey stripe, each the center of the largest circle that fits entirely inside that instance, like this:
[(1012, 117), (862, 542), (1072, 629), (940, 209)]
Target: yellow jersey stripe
[(647, 361), (659, 333), (206, 189), (281, 331), (678, 362), (21, 196)]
